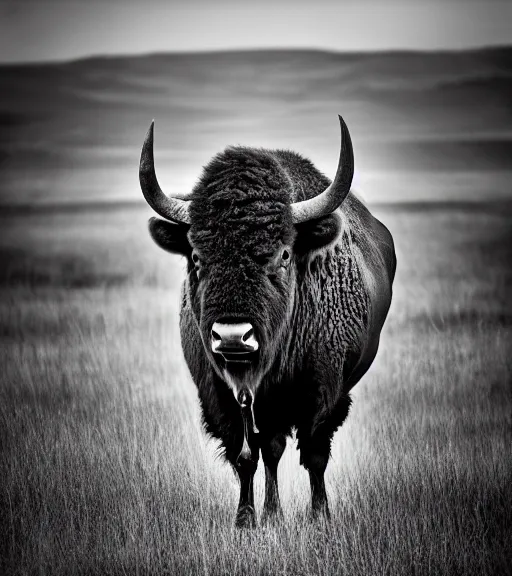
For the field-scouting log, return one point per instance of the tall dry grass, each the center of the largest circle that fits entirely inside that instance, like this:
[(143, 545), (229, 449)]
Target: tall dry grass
[(105, 469)]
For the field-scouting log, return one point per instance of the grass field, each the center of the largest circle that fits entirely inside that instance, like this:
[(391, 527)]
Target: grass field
[(105, 469)]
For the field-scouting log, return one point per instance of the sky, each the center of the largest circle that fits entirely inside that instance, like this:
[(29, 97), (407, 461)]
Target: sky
[(42, 30)]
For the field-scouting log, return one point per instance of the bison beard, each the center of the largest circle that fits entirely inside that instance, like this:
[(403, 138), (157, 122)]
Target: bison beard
[(288, 285)]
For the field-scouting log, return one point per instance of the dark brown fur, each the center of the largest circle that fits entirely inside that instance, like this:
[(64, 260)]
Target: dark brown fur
[(318, 318)]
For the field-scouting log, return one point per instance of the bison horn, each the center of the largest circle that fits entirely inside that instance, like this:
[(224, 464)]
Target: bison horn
[(174, 209), (332, 197)]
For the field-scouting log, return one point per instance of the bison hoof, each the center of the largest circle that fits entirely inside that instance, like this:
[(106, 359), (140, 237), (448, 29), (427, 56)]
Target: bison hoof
[(245, 517)]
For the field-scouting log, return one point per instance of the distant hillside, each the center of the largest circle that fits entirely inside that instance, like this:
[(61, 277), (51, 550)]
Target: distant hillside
[(73, 131)]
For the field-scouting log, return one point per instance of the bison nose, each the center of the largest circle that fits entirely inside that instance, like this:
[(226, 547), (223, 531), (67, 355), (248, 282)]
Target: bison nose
[(233, 338)]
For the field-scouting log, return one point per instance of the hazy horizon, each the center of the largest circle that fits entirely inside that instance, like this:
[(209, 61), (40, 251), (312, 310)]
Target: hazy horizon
[(425, 126), (54, 31), (261, 50)]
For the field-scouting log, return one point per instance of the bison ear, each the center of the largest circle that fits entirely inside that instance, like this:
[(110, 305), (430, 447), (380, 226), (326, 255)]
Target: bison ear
[(169, 236), (316, 234)]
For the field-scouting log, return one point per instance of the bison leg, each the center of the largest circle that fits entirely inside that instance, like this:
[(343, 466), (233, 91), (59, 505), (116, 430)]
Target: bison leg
[(246, 463), (245, 466), (314, 455), (271, 451)]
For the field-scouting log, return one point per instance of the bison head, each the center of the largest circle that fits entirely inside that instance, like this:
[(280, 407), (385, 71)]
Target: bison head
[(245, 239)]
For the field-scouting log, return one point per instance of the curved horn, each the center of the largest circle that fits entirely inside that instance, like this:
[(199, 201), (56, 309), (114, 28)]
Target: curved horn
[(170, 208), (332, 197)]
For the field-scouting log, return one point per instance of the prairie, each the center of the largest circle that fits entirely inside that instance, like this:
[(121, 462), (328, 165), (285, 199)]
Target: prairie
[(103, 463), (425, 126), (104, 468)]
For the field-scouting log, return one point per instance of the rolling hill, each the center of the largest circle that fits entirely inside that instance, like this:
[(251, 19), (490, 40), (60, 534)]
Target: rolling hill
[(426, 126)]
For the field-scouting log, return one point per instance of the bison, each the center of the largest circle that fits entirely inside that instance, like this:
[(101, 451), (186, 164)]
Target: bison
[(289, 282)]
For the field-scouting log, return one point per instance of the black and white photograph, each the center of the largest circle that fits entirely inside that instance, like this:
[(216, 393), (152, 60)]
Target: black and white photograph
[(256, 288)]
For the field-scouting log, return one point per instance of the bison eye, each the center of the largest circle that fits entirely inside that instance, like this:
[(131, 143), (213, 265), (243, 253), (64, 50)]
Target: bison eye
[(285, 256), (195, 259)]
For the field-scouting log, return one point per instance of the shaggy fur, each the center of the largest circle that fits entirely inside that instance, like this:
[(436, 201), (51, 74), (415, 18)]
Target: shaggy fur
[(318, 316)]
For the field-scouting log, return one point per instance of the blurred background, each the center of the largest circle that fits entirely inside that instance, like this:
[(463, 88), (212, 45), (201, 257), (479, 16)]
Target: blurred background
[(425, 88)]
